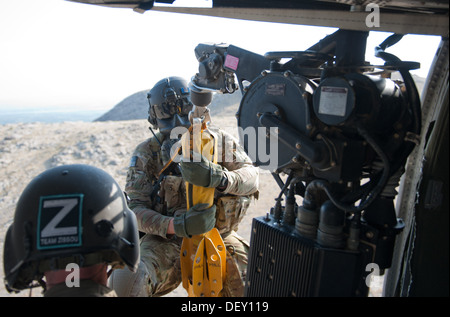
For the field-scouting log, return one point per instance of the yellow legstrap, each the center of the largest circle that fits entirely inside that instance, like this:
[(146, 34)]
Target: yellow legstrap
[(203, 264)]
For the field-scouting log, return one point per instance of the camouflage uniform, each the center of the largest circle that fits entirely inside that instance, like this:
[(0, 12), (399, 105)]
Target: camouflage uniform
[(160, 253)]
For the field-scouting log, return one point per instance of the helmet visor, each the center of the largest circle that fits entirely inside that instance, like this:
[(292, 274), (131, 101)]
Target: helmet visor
[(172, 104), (167, 110)]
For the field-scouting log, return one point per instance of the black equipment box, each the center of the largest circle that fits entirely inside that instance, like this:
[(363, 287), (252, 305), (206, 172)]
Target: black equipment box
[(283, 263)]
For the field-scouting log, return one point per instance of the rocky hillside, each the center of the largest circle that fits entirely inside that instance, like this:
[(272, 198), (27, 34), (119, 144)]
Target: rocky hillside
[(131, 108), (136, 107)]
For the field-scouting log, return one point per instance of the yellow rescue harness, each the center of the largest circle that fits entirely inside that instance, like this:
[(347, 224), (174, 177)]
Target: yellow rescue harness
[(203, 257)]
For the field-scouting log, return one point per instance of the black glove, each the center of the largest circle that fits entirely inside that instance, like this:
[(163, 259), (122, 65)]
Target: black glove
[(197, 220), (204, 173)]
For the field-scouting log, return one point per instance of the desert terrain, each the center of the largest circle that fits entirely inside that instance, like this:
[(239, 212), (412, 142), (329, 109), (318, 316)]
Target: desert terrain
[(27, 149)]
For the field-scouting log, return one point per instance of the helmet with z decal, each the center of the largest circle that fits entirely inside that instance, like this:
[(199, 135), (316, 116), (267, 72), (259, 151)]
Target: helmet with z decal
[(68, 214)]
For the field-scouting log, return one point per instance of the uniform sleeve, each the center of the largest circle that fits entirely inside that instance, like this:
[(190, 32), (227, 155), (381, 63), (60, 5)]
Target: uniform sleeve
[(139, 188), (243, 176)]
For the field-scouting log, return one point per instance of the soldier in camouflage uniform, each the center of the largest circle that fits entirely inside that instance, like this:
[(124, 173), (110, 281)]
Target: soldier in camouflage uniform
[(159, 201)]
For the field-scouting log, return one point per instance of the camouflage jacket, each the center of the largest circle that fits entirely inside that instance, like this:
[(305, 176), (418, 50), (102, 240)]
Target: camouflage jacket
[(155, 200)]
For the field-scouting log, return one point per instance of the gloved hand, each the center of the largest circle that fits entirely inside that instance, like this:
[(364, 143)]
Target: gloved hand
[(204, 173), (197, 220)]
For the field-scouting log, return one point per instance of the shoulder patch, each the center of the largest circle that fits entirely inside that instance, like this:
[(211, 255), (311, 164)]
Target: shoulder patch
[(133, 161)]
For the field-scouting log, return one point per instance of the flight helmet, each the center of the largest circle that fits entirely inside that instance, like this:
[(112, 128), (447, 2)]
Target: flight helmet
[(169, 104), (68, 214)]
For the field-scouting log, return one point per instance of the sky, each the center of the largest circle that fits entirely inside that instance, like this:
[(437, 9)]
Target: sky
[(56, 53)]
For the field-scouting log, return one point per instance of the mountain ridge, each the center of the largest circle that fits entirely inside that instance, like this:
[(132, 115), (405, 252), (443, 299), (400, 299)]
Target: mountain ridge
[(135, 106)]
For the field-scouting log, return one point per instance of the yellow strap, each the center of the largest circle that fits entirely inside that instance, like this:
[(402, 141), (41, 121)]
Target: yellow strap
[(203, 257), (199, 281)]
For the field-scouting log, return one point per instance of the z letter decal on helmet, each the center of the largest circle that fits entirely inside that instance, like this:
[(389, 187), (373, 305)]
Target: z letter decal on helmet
[(59, 221)]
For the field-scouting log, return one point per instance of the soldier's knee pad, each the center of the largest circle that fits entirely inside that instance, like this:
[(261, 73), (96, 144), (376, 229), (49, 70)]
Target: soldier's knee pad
[(130, 284)]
